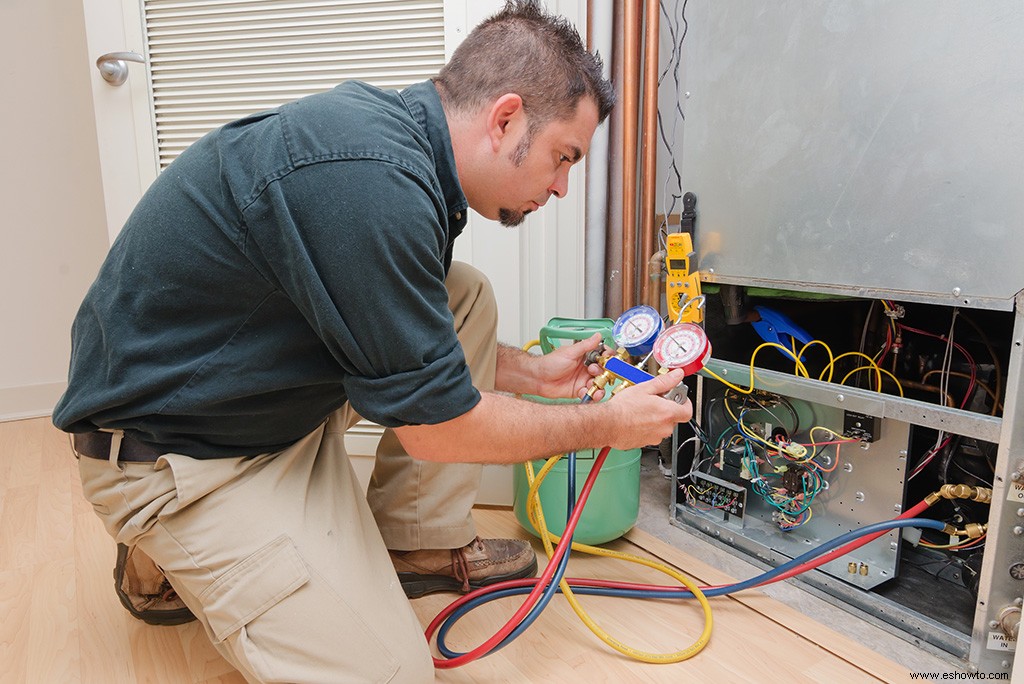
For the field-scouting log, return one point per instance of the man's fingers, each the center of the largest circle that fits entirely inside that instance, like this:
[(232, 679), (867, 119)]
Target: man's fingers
[(663, 383)]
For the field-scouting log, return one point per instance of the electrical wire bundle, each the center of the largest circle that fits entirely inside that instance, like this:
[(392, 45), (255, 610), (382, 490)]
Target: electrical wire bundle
[(896, 340), (786, 474), (896, 350)]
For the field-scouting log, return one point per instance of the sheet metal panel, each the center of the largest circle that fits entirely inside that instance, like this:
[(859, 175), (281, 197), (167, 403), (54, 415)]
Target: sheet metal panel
[(865, 147)]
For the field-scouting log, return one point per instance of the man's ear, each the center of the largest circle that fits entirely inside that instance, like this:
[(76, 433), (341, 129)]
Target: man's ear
[(503, 117)]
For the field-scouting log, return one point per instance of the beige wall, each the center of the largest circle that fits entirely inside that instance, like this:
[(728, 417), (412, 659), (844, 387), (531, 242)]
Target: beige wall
[(52, 224)]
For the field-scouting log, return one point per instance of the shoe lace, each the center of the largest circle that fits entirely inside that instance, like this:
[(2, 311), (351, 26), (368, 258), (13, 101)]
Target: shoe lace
[(167, 592), (460, 566)]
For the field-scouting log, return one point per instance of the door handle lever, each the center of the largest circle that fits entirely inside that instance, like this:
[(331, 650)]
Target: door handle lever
[(114, 68)]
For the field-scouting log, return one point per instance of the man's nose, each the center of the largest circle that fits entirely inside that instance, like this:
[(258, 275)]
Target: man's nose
[(560, 186)]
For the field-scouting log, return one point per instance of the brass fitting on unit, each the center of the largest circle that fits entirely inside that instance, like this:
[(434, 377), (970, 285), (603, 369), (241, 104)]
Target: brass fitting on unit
[(603, 379), (975, 530), (970, 530), (962, 491)]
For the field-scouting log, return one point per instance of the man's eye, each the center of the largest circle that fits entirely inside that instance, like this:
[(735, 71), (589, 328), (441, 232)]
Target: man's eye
[(562, 159)]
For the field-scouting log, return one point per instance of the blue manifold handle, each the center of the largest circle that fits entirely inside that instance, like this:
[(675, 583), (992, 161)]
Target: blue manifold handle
[(624, 371)]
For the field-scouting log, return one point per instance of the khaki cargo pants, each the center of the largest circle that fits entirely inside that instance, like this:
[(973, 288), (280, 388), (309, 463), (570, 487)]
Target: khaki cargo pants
[(282, 558)]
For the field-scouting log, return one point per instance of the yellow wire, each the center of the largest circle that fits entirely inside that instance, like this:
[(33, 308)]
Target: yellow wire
[(815, 445), (800, 368), (536, 515), (877, 369), (831, 356), (892, 319), (871, 364)]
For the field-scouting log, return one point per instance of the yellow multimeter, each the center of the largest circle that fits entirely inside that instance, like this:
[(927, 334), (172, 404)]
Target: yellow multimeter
[(681, 286)]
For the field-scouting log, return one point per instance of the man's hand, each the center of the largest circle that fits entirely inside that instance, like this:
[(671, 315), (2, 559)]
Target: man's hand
[(642, 415), (565, 373)]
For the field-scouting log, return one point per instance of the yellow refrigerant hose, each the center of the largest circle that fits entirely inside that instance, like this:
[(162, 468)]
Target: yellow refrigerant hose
[(536, 516)]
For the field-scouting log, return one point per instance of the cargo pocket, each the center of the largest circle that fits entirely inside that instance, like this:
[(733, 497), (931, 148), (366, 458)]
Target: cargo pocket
[(252, 586), (283, 622)]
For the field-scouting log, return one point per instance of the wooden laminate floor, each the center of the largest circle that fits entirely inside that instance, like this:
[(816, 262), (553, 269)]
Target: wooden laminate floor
[(62, 623)]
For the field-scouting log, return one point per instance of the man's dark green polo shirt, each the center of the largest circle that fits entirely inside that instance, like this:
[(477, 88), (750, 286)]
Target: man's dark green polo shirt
[(282, 265)]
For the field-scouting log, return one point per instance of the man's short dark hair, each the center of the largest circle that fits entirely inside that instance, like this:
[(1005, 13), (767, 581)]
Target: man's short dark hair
[(525, 50)]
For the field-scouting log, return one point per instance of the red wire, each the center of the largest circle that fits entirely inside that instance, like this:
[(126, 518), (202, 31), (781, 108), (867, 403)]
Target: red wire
[(928, 458), (970, 360), (887, 346), (540, 583)]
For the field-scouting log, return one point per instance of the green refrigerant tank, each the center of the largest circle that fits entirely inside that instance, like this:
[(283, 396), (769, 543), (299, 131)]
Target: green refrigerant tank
[(614, 503)]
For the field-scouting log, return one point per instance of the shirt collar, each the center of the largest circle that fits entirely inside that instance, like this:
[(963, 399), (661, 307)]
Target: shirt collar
[(425, 106)]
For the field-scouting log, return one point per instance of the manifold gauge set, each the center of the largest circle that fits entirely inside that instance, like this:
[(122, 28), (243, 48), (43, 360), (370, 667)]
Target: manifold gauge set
[(641, 331)]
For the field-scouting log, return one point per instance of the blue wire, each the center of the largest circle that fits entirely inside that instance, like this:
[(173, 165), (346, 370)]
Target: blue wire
[(718, 591)]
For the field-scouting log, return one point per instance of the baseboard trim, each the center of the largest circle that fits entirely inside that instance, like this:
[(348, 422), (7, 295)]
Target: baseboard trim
[(29, 401)]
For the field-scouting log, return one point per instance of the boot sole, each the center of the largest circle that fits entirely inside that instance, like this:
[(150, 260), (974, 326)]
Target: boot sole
[(416, 586)]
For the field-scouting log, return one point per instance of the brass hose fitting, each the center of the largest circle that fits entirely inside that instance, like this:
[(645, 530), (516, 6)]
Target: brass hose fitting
[(960, 491), (970, 530), (603, 379)]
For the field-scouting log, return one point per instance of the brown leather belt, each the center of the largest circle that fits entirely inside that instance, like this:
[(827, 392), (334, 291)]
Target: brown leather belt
[(97, 445)]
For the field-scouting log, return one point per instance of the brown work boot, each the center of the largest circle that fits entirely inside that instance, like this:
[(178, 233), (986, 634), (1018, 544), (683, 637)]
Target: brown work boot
[(144, 591), (479, 563)]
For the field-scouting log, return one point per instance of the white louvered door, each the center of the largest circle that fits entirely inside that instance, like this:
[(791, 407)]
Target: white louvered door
[(213, 61)]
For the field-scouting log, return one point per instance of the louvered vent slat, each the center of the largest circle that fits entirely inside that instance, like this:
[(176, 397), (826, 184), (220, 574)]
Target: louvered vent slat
[(212, 61)]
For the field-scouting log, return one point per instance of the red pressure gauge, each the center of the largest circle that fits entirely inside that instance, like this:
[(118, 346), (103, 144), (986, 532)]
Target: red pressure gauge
[(684, 345)]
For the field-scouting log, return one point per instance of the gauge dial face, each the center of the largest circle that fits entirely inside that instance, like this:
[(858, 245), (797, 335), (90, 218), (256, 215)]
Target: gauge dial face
[(683, 346), (637, 328)]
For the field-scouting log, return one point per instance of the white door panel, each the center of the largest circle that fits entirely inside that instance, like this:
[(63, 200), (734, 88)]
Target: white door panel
[(123, 121)]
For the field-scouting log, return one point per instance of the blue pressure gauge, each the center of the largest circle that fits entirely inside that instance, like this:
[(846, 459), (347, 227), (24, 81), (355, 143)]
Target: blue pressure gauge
[(636, 329)]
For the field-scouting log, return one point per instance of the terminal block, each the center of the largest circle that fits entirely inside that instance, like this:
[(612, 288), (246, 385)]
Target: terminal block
[(719, 494)]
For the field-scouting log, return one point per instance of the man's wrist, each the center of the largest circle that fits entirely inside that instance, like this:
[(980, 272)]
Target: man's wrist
[(517, 371)]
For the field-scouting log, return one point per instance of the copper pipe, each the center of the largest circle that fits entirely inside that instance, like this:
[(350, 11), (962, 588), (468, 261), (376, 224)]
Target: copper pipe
[(910, 384), (652, 284), (649, 149), (613, 243), (630, 107)]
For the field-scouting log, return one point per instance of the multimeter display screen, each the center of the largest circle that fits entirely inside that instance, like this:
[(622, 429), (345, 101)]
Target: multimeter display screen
[(677, 264)]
